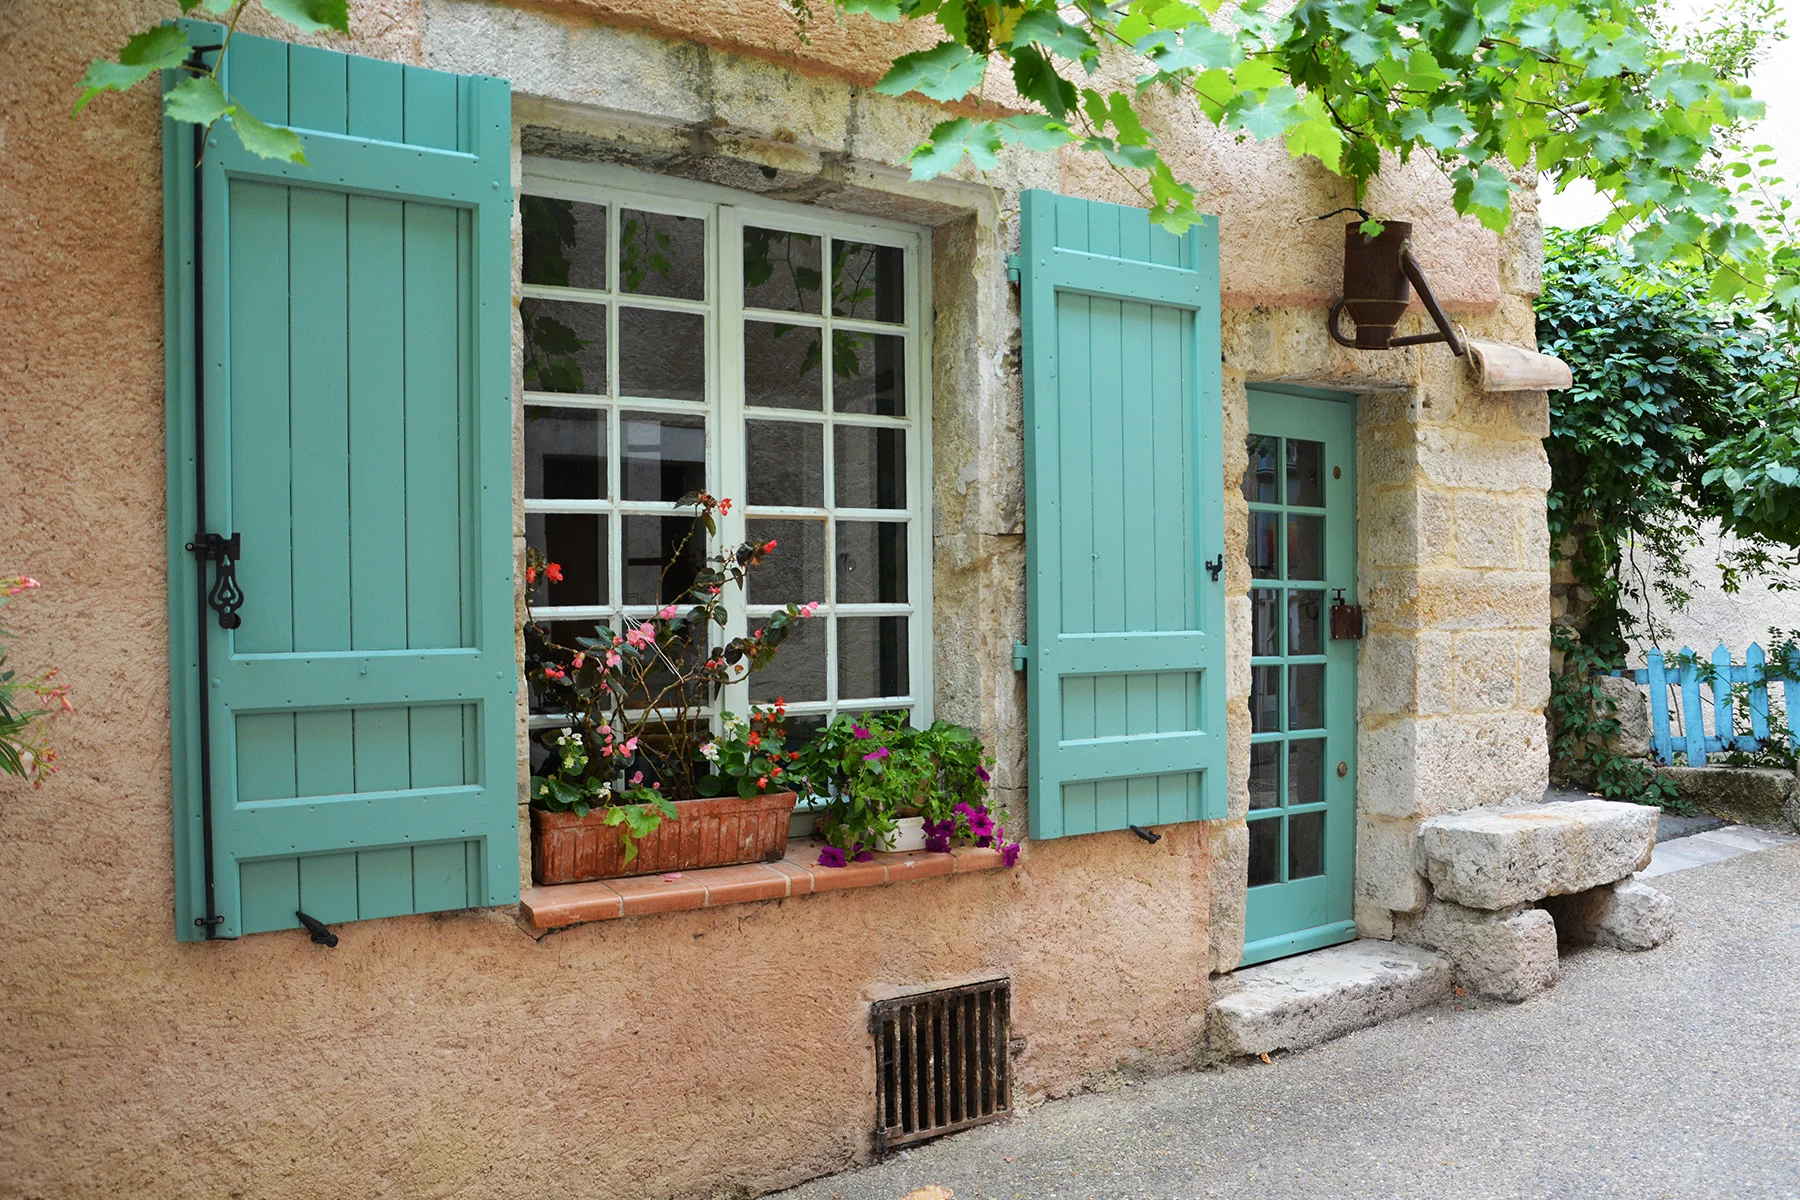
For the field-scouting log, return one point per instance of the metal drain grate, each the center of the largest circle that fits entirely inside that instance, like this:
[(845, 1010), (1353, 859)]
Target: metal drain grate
[(940, 1062)]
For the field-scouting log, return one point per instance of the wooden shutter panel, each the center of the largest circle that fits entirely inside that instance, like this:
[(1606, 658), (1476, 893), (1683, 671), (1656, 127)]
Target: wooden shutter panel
[(1125, 622), (347, 326)]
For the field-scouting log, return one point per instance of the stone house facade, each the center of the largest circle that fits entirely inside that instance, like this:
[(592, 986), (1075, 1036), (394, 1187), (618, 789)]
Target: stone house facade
[(721, 1049)]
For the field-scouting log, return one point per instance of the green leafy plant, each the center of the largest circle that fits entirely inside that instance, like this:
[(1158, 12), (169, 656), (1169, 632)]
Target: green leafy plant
[(1581, 89), (199, 99), (748, 757), (873, 769), (26, 705), (1584, 727)]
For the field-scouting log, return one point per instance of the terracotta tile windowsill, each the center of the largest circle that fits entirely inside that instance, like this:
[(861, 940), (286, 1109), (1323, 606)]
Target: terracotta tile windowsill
[(796, 874)]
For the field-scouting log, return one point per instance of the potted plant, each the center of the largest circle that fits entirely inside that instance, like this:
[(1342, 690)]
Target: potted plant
[(636, 781), (889, 786)]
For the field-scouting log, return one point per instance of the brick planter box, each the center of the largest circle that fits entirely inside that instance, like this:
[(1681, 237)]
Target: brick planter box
[(718, 832)]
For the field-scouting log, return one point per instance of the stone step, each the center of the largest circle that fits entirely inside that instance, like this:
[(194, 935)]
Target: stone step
[(1495, 858), (1311, 998)]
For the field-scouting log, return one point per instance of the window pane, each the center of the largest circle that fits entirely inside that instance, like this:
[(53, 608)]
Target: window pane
[(662, 354), (650, 543), (565, 453), (870, 466), (1265, 851), (1265, 626), (1265, 775), (1262, 549), (868, 373), (1306, 548), (1306, 697), (1306, 771), (868, 281), (662, 456), (872, 657), (1306, 622), (782, 366), (1306, 473), (795, 572), (871, 562), (781, 270), (575, 542), (1265, 699), (1259, 475), (565, 346), (786, 464), (660, 255), (797, 672), (1306, 845), (565, 242)]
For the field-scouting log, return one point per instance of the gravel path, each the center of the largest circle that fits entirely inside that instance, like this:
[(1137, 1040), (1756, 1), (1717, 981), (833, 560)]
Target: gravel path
[(1673, 1073)]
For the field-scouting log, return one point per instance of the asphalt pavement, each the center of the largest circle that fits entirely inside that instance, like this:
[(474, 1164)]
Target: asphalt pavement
[(1669, 1073)]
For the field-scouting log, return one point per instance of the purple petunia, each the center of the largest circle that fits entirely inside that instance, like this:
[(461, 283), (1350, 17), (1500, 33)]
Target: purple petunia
[(981, 774), (963, 810), (981, 825), (831, 856), (859, 731), (1009, 853), (862, 854), (877, 754), (937, 843)]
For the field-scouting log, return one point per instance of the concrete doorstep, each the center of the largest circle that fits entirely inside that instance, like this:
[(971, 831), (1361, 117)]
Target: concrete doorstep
[(1298, 1002)]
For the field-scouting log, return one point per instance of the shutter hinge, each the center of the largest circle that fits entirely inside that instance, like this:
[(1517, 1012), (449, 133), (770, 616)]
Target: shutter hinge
[(1013, 266), (1215, 566), (1020, 651)]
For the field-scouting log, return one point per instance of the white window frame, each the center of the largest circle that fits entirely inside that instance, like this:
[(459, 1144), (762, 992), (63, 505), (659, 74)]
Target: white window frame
[(726, 212)]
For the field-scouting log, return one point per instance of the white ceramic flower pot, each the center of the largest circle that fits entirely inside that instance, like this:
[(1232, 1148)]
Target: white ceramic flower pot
[(909, 834)]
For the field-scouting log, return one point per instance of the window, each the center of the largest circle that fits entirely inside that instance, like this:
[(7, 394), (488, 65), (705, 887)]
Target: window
[(680, 337)]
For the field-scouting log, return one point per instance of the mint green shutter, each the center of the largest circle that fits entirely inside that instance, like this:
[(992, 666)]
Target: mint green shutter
[(1123, 483), (355, 359)]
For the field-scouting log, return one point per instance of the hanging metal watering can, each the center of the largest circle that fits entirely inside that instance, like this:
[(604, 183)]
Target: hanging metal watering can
[(1379, 275)]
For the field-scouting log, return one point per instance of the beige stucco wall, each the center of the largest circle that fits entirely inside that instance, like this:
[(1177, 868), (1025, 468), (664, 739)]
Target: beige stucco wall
[(717, 1052)]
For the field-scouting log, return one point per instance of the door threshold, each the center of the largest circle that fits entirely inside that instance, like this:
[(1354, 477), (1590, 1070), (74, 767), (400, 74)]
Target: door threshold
[(1287, 944)]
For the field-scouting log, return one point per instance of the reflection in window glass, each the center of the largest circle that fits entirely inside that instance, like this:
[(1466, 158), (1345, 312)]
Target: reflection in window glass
[(1306, 473), (576, 542), (650, 544), (1265, 775), (781, 270), (783, 366), (872, 657), (565, 242), (662, 456), (794, 573), (662, 354), (1306, 548), (871, 562), (1306, 622), (1265, 851), (868, 373), (662, 255), (1265, 699), (1259, 473), (1306, 845), (565, 453), (1306, 771), (1263, 548), (871, 467), (1265, 627), (1306, 696), (797, 672), (565, 346), (868, 281), (786, 464)]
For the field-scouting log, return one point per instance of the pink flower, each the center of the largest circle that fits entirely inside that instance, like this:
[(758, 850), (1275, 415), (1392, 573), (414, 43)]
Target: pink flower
[(876, 755), (577, 661), (859, 731), (631, 746), (554, 673), (667, 612), (23, 583), (637, 779), (613, 659), (810, 607), (641, 636), (672, 876)]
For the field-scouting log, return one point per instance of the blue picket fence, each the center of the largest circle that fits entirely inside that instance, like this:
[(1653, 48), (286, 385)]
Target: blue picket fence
[(1685, 675)]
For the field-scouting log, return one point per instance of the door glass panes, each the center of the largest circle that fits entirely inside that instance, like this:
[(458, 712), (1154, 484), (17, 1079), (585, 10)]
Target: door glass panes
[(675, 346), (1284, 483)]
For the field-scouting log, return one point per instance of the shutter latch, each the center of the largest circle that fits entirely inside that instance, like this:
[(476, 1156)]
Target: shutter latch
[(1020, 651), (225, 597), (1215, 566)]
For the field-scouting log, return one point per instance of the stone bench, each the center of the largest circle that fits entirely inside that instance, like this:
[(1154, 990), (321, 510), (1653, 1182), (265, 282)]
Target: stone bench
[(1508, 882)]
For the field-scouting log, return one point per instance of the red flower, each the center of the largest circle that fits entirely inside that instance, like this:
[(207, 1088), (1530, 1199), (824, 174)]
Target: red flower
[(725, 506), (774, 770), (755, 739), (763, 782), (530, 574), (553, 572), (769, 546)]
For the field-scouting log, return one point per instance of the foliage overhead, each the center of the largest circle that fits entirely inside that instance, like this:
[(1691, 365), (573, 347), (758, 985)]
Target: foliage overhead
[(1682, 413), (1490, 90)]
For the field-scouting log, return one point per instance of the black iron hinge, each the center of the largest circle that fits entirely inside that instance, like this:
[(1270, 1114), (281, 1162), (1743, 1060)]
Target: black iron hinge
[(225, 597)]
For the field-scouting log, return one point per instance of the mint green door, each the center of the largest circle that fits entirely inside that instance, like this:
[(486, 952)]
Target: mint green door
[(1301, 486)]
